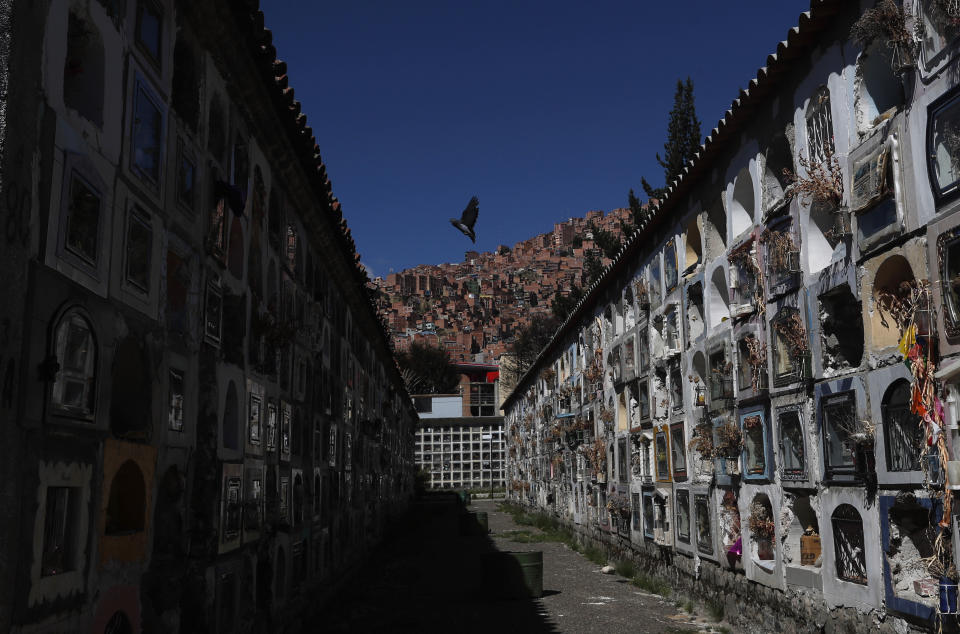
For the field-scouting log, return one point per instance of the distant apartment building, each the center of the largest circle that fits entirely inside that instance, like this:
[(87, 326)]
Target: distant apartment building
[(459, 440)]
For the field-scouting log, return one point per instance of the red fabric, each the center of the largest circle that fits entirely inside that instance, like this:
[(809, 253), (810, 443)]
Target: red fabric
[(492, 376)]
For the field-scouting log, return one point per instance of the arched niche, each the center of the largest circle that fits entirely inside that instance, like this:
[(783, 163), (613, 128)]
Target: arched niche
[(715, 230), (892, 272), (130, 405), (693, 252), (75, 348), (695, 317), (878, 89), (84, 69), (778, 161), (849, 545), (719, 297), (127, 502), (762, 528), (742, 203), (231, 419), (803, 521), (186, 83)]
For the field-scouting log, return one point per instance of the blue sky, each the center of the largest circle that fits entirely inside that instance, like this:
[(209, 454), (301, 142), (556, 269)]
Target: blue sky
[(545, 110)]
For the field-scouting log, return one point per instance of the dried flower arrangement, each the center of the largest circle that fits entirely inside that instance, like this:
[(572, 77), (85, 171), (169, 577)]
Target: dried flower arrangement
[(779, 249), (729, 502), (760, 522), (620, 504), (823, 182), (745, 259), (702, 441), (729, 441), (907, 305), (606, 414), (860, 431), (596, 455), (640, 290), (794, 332), (756, 358), (887, 22)]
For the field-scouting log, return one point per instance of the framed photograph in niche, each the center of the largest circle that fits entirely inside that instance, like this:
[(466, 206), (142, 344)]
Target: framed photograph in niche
[(175, 402), (254, 423)]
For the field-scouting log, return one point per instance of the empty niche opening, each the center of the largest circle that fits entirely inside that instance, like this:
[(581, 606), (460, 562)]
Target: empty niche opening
[(801, 543), (693, 253), (742, 203), (821, 236), (715, 230), (775, 180), (878, 89), (891, 275), (125, 509), (912, 537), (83, 70), (762, 530), (719, 298), (131, 391), (695, 323), (841, 329)]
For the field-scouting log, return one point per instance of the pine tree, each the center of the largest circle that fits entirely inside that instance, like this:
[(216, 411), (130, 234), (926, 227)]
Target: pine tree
[(683, 140)]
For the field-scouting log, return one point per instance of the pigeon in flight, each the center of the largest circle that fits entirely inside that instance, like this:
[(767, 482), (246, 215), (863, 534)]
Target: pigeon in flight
[(467, 219)]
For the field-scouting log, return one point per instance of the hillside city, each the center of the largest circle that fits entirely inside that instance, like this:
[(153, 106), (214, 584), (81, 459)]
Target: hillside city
[(474, 308)]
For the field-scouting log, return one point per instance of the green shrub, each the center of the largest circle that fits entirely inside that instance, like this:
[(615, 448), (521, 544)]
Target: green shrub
[(596, 555), (651, 584), (716, 609), (626, 568)]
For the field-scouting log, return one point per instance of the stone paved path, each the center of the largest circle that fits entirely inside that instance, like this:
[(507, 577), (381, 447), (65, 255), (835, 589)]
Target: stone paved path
[(428, 579)]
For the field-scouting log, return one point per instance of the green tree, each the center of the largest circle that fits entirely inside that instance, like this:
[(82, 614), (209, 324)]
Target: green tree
[(427, 369), (530, 340), (608, 241), (592, 269), (683, 140), (562, 305)]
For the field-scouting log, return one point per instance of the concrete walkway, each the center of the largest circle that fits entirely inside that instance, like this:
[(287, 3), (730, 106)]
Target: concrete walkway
[(428, 579)]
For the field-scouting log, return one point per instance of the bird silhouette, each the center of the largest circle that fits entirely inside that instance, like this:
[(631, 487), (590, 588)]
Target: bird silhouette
[(467, 219)]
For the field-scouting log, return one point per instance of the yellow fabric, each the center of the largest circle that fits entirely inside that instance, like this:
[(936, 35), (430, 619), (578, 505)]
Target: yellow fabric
[(908, 340)]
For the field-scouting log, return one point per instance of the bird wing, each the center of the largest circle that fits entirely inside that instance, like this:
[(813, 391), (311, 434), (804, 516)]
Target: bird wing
[(469, 215)]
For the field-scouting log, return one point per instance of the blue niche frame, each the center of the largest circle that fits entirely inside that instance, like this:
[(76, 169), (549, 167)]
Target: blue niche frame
[(893, 602), (768, 463)]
